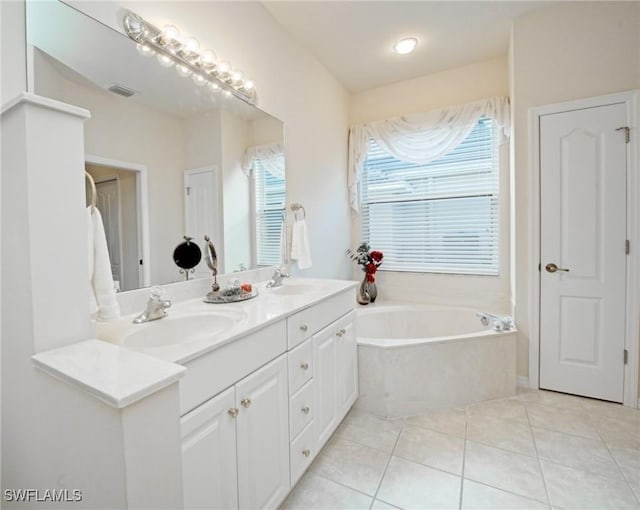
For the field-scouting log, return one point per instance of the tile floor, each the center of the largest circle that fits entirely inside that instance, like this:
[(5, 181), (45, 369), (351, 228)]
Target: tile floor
[(538, 450)]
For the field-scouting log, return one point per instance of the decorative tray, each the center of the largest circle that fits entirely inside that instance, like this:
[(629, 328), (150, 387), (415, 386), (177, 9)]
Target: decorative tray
[(218, 298)]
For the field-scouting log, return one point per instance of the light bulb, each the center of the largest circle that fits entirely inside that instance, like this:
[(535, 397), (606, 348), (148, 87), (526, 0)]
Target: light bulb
[(199, 79), (237, 77), (248, 85), (183, 70), (165, 61), (145, 51), (223, 69), (170, 38), (406, 45), (190, 48), (208, 60)]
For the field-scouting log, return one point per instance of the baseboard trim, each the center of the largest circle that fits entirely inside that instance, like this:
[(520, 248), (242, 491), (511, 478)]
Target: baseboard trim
[(522, 381)]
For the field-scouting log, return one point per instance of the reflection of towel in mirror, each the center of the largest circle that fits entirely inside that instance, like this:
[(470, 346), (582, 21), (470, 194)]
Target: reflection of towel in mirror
[(300, 250), (102, 296)]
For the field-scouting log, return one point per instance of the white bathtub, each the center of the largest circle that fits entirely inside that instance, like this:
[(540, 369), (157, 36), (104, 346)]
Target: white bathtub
[(413, 358)]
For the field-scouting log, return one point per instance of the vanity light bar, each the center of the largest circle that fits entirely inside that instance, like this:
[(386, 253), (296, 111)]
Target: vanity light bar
[(171, 48)]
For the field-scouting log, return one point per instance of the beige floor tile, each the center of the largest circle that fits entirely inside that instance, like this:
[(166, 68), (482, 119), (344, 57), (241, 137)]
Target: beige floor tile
[(509, 435), (314, 492), (506, 408), (553, 399), (476, 496), (578, 452), (431, 448), (504, 470), (381, 505), (407, 484), (448, 421), (629, 462), (569, 421), (619, 431), (370, 430), (352, 464), (573, 488)]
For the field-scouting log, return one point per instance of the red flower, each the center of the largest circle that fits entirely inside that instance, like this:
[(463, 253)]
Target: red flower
[(377, 256), (371, 278), (371, 268)]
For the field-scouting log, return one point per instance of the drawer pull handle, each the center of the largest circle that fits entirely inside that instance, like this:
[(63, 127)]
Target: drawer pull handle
[(304, 366), (341, 332), (304, 327), (305, 409), (233, 412), (306, 452), (246, 402)]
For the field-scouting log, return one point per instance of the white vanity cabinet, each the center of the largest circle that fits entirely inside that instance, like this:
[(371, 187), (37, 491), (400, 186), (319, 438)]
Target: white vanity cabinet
[(335, 368), (235, 447)]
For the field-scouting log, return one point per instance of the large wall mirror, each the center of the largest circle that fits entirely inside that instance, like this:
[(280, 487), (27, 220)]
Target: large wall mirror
[(169, 158)]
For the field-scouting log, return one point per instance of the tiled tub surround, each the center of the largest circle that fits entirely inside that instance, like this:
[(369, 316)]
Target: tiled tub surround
[(537, 450), (413, 358)]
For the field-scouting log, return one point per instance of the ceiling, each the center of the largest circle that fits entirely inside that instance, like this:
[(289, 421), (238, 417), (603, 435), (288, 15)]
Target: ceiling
[(354, 39)]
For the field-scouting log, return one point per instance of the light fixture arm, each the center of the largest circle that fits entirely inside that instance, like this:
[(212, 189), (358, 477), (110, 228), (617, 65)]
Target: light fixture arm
[(151, 38)]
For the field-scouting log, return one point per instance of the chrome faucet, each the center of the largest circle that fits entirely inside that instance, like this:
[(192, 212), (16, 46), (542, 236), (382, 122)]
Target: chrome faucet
[(504, 323), (156, 308), (276, 278)]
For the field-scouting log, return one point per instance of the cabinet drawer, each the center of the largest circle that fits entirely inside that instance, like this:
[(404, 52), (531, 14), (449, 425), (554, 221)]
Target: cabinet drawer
[(301, 409), (211, 373), (300, 366), (305, 323), (303, 451)]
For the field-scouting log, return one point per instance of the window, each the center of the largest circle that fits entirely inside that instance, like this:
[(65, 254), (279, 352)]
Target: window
[(441, 217), (269, 203)]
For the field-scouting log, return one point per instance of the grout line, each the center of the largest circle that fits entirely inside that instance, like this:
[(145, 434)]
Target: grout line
[(384, 472), (464, 457), (509, 492), (535, 446)]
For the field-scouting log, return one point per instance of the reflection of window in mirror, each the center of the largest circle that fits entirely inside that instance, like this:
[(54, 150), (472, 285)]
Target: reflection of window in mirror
[(269, 204)]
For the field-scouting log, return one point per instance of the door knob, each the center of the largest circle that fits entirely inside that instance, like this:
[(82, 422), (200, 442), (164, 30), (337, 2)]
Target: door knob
[(246, 402), (552, 268)]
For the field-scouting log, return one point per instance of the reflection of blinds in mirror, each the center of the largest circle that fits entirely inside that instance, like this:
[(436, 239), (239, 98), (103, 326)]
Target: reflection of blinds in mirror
[(269, 202), (438, 217)]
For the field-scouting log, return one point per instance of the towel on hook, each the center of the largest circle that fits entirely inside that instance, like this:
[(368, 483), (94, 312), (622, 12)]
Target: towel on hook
[(102, 295), (300, 250)]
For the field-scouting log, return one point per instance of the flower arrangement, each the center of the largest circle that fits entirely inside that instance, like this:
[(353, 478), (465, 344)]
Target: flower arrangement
[(369, 259)]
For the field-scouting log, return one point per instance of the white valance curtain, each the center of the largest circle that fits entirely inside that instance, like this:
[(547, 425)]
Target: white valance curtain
[(421, 138), (271, 158)]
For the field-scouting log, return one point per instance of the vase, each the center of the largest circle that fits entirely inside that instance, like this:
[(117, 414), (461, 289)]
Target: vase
[(373, 291), (364, 298)]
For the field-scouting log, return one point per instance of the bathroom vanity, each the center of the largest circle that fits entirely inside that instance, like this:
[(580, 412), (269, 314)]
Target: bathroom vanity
[(267, 382)]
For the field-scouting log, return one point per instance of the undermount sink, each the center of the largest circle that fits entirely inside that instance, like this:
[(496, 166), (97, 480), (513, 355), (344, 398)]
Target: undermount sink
[(175, 329)]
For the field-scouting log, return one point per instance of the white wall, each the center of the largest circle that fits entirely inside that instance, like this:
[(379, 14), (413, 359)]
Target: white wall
[(563, 52), (451, 87), (294, 87)]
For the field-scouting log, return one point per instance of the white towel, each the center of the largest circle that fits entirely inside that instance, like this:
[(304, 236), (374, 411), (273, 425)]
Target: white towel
[(300, 250), (102, 295)]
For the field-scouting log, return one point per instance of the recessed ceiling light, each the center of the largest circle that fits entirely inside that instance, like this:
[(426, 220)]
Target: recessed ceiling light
[(406, 45)]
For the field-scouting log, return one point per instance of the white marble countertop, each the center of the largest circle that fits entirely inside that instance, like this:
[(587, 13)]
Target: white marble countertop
[(119, 374)]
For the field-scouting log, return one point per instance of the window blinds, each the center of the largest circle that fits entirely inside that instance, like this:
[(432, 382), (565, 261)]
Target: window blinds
[(269, 203), (441, 217)]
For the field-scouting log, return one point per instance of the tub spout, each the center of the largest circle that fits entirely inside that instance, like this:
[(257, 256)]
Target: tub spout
[(500, 323)]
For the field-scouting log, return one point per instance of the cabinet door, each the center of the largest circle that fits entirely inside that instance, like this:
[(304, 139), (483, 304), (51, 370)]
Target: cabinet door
[(209, 473), (325, 384), (347, 373), (263, 436)]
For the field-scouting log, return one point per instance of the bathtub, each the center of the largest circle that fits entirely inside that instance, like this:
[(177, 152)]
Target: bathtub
[(414, 358)]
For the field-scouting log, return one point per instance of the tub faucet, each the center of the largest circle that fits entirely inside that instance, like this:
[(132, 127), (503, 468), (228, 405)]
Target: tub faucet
[(276, 278), (156, 308), (504, 323)]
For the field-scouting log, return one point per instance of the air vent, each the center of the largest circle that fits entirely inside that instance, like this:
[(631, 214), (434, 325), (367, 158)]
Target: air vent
[(121, 91)]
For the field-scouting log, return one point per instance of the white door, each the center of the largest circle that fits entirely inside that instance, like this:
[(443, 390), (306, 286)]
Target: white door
[(209, 474), (202, 211), (583, 230), (347, 358), (108, 203), (325, 383), (263, 436)]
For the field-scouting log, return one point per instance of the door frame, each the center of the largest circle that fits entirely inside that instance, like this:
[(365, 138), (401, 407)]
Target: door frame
[(142, 190), (632, 328)]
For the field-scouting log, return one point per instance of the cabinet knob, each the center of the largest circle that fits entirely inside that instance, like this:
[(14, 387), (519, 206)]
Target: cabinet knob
[(306, 452), (304, 327), (246, 402), (233, 412), (304, 366), (341, 332), (305, 409)]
